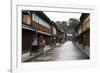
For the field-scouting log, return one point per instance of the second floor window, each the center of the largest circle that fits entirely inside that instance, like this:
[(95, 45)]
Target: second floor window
[(40, 20), (26, 19)]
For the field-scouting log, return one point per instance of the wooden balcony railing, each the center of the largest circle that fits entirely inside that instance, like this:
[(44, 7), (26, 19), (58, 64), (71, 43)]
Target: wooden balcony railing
[(40, 27)]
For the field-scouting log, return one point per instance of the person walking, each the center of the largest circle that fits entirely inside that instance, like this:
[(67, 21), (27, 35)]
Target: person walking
[(41, 44)]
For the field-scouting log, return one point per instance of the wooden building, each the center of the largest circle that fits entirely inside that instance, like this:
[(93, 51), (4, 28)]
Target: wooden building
[(27, 31), (34, 24), (42, 24), (57, 34), (82, 35)]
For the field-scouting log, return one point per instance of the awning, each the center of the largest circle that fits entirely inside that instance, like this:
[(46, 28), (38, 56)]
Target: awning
[(43, 33), (27, 27)]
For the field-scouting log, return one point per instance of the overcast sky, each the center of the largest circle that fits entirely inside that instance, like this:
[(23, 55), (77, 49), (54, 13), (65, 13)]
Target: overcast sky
[(58, 16)]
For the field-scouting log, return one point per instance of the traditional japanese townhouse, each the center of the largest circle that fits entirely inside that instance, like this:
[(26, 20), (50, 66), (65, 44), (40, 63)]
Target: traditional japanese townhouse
[(34, 24), (60, 36), (57, 34), (27, 31), (42, 24), (53, 33), (82, 35)]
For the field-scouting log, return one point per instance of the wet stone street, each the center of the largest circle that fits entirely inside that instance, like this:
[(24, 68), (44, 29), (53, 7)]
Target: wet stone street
[(64, 52)]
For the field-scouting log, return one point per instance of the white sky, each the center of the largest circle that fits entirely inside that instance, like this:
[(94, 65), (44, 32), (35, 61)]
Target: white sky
[(58, 16)]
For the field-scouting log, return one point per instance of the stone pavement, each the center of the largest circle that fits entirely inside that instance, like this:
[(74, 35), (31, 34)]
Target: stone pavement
[(86, 50), (64, 52), (26, 56)]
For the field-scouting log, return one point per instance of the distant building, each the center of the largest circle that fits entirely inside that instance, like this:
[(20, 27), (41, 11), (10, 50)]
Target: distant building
[(69, 37), (58, 34)]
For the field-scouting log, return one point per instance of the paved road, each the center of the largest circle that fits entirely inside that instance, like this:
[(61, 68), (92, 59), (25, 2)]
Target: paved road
[(66, 51)]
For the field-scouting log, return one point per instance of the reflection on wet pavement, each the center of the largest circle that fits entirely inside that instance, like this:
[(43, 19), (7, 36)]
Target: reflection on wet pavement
[(66, 51)]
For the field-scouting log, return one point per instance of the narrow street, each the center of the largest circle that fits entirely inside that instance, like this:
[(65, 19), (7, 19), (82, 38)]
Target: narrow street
[(64, 52), (41, 28)]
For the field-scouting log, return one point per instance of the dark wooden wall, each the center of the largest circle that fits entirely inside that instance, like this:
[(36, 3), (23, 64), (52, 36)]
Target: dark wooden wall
[(26, 40)]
